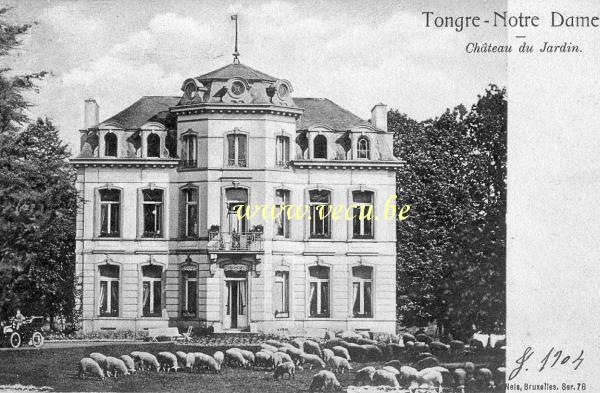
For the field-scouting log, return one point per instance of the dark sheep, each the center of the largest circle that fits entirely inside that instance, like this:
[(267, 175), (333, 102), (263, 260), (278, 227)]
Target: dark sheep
[(364, 376), (394, 363), (396, 350), (285, 368), (313, 347), (457, 347), (333, 342), (407, 337), (426, 363), (423, 338), (363, 341), (324, 380), (440, 350), (424, 355), (373, 352)]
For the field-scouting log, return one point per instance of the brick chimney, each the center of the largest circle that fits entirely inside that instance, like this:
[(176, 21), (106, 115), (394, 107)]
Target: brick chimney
[(91, 112), (379, 116)]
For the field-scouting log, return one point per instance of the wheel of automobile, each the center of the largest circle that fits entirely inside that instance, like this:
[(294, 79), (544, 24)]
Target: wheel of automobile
[(15, 340), (37, 340)]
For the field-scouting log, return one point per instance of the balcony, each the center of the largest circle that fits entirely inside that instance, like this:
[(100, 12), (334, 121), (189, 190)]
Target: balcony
[(235, 242), (184, 164)]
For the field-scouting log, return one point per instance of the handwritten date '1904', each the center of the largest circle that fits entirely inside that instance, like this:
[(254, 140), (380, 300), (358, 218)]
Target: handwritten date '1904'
[(551, 359)]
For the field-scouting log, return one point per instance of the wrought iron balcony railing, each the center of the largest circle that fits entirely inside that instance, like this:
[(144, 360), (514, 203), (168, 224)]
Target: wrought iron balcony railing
[(188, 163), (235, 241)]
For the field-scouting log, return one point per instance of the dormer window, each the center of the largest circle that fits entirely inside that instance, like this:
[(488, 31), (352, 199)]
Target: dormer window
[(237, 88), (153, 148), (363, 149), (110, 145), (320, 147)]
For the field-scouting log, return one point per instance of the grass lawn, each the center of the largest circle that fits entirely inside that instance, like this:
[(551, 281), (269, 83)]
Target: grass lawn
[(57, 368)]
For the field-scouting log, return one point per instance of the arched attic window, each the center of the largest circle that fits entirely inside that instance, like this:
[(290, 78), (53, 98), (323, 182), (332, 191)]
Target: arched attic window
[(153, 149), (320, 147), (363, 148), (110, 145)]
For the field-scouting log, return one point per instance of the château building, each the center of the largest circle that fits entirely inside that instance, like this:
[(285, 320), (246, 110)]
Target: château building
[(159, 242)]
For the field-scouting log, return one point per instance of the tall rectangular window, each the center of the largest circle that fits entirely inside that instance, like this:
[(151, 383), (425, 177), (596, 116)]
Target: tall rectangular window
[(320, 219), (282, 222), (362, 221), (362, 284), (151, 291), (189, 149), (152, 212), (110, 210), (189, 290), (189, 212), (282, 151), (281, 304), (236, 150), (319, 291), (109, 291)]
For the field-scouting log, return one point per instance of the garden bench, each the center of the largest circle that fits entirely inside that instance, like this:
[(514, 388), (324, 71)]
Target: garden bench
[(170, 332)]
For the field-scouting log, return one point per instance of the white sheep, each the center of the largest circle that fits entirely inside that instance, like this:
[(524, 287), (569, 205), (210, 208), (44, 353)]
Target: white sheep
[(274, 343), (428, 379), (285, 368), (207, 361), (90, 366), (263, 359), (364, 376), (324, 380), (341, 351), (339, 363), (298, 343), (148, 360), (407, 375), (100, 359), (219, 358), (385, 378), (391, 369), (182, 359), (248, 355), (294, 352), (167, 361), (128, 362), (312, 360), (234, 356), (269, 347), (115, 366), (190, 361), (327, 354)]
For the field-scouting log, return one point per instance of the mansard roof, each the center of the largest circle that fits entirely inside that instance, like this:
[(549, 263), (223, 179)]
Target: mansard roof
[(146, 109), (236, 71), (317, 112), (324, 112)]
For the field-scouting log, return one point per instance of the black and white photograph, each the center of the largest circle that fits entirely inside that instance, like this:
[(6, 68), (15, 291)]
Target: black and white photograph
[(298, 196)]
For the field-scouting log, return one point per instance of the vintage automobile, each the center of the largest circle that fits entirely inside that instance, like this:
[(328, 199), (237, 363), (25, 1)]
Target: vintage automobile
[(29, 332)]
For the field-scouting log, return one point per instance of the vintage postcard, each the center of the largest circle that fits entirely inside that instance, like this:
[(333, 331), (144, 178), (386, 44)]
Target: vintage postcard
[(299, 196)]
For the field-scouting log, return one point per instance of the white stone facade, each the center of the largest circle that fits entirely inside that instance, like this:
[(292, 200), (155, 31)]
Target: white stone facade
[(178, 259)]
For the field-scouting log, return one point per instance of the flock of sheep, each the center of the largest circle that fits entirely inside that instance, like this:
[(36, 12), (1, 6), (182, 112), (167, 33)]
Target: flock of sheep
[(413, 362)]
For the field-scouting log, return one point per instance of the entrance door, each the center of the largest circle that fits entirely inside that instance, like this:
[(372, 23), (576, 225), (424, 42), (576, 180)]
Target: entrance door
[(236, 306)]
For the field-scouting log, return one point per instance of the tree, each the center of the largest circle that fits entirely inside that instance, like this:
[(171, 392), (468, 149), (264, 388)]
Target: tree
[(451, 253), (37, 199)]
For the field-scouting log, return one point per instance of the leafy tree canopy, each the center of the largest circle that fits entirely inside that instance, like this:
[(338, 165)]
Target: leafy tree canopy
[(451, 253), (37, 199)]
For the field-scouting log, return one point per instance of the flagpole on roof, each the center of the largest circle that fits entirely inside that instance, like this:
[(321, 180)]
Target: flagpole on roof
[(236, 54)]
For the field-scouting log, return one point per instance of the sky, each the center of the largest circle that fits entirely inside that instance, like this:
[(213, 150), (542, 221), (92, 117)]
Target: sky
[(356, 53)]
